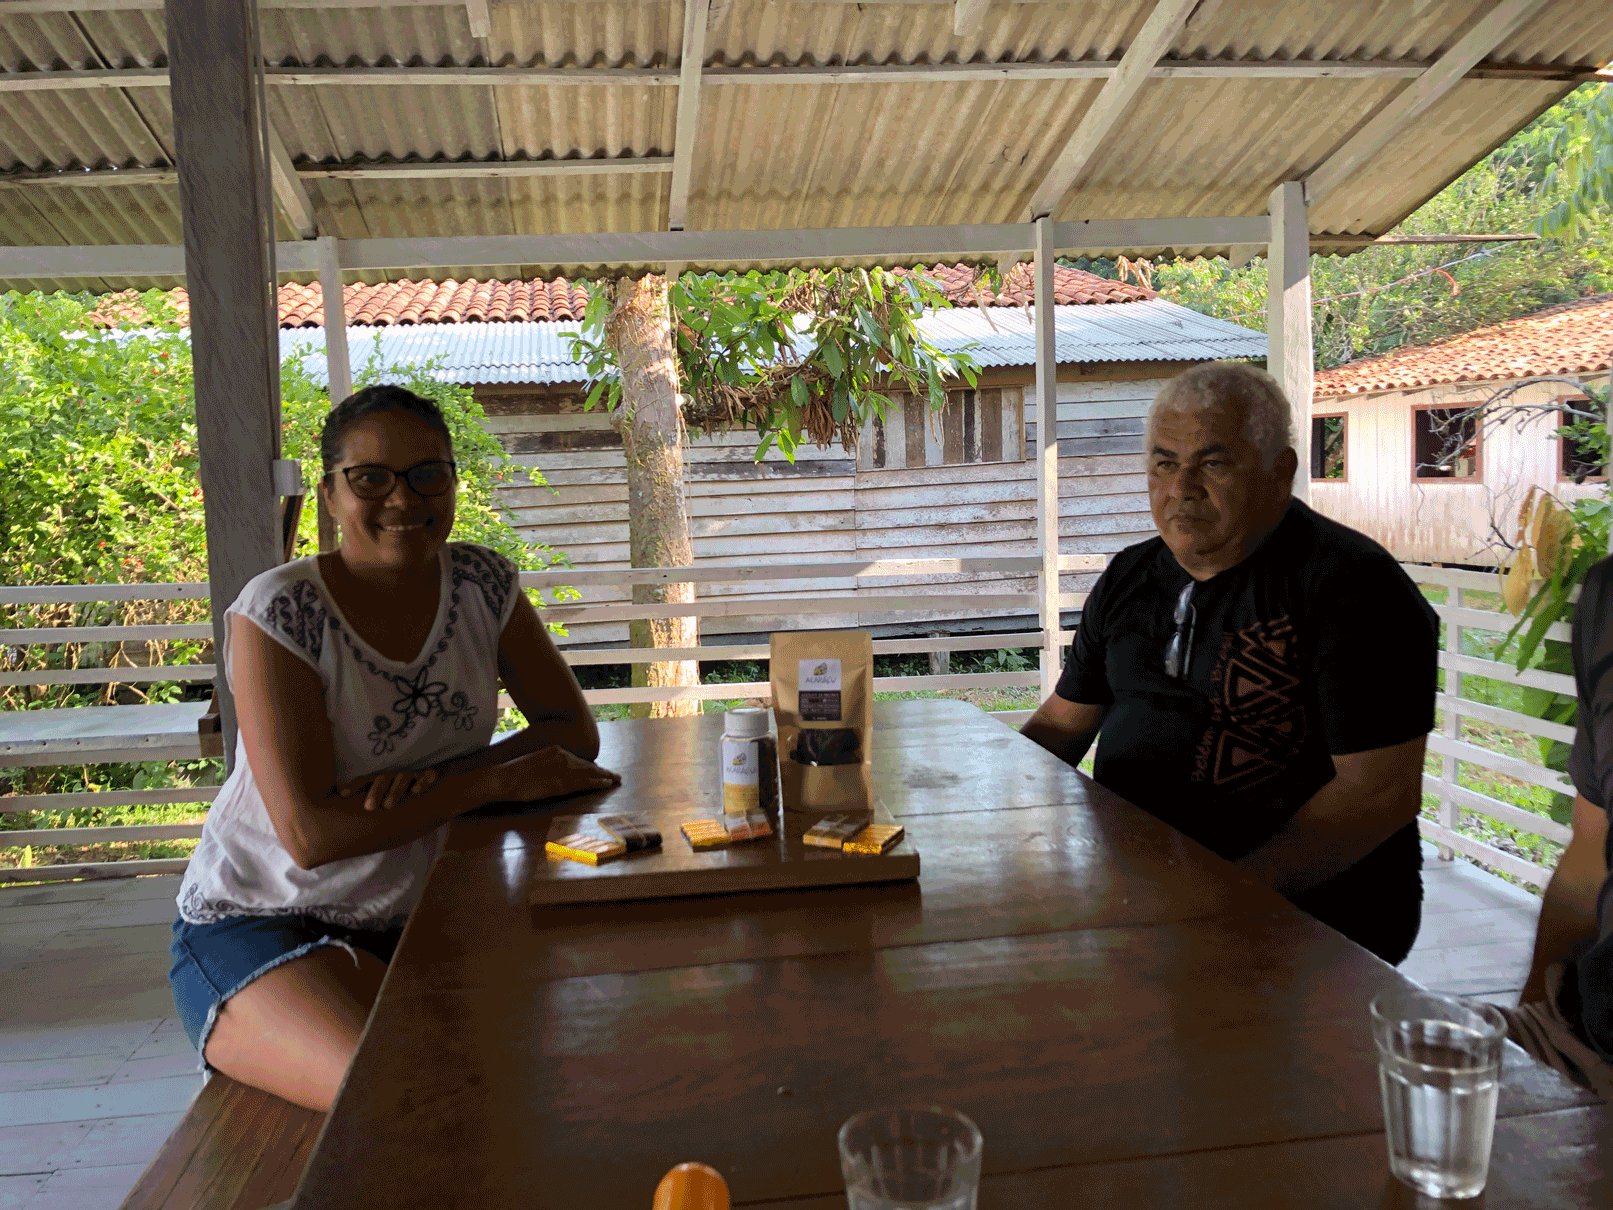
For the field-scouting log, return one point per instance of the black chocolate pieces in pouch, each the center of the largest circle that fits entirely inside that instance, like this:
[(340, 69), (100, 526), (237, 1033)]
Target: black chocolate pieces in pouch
[(827, 746)]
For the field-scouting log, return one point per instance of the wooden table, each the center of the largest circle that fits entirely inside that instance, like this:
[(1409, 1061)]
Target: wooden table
[(1130, 1021)]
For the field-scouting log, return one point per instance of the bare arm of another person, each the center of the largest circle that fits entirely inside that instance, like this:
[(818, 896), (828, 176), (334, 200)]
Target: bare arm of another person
[(1066, 729), (293, 760), (1568, 911), (1372, 796)]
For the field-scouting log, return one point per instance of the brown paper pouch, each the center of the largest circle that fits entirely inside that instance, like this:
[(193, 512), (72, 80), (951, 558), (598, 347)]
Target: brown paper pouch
[(823, 680)]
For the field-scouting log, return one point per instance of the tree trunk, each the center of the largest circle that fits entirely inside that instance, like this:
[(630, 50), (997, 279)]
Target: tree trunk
[(639, 332)]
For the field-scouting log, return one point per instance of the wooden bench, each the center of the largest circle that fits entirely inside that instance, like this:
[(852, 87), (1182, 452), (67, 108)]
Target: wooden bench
[(102, 734), (235, 1149)]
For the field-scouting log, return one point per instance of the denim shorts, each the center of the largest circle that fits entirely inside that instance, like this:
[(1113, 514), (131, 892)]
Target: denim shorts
[(211, 962)]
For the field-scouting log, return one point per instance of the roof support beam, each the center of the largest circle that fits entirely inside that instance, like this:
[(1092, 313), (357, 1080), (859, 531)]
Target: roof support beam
[(294, 205), (230, 273), (752, 77), (485, 168), (1119, 93), (288, 189), (1047, 452), (1499, 24), (967, 16), (338, 369), (695, 13), (983, 241), (1290, 356)]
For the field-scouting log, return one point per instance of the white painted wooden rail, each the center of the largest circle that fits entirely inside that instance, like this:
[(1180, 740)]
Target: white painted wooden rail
[(1455, 752), (871, 607)]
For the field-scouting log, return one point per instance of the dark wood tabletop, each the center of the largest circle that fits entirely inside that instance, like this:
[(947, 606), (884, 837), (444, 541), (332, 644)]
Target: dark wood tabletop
[(1130, 1020)]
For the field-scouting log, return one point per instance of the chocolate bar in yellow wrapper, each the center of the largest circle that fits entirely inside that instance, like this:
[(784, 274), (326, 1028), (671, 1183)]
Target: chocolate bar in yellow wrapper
[(875, 839), (580, 846)]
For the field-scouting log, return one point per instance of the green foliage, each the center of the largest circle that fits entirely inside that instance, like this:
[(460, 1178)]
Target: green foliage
[(1004, 659), (98, 451), (1580, 179), (483, 464), (798, 355), (1392, 295)]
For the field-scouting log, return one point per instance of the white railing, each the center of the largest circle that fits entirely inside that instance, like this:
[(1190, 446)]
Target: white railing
[(1447, 741), (1455, 752), (869, 607)]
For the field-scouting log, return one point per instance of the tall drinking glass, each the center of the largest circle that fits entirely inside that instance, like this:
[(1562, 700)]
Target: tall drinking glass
[(910, 1159), (1439, 1066)]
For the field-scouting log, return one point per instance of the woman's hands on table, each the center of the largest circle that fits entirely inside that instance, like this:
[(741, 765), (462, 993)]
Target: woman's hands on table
[(549, 773), (386, 790)]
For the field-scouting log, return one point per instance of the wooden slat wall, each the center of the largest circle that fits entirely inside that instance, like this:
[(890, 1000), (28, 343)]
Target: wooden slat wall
[(959, 488)]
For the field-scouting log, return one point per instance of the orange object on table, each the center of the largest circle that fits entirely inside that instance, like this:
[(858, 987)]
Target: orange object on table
[(692, 1187)]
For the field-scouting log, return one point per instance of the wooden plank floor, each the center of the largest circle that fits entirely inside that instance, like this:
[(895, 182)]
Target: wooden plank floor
[(94, 1068), (95, 1071)]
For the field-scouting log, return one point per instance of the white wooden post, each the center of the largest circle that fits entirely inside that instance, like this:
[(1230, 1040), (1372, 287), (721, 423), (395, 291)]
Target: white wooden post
[(1047, 456), (330, 288), (1449, 772), (228, 222), (1289, 355), (338, 369)]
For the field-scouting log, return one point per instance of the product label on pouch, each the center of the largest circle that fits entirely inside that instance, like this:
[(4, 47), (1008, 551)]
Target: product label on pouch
[(820, 691)]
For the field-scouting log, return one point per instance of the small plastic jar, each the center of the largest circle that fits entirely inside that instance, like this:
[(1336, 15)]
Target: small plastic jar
[(749, 755)]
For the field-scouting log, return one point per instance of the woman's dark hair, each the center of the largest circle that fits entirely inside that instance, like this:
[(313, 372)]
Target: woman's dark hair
[(368, 402)]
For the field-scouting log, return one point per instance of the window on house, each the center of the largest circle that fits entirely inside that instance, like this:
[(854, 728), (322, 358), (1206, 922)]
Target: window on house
[(1327, 447), (1578, 460), (975, 426), (1445, 443)]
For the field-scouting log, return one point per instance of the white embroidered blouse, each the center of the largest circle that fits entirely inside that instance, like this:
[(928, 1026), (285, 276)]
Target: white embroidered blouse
[(384, 715)]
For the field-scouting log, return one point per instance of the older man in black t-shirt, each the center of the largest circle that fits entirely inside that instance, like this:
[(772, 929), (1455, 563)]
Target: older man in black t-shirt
[(1259, 676)]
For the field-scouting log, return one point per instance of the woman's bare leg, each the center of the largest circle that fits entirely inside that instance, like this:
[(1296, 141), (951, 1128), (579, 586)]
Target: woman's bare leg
[(293, 1031)]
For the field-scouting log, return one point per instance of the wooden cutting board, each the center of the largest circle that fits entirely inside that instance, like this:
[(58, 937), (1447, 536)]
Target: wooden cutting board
[(675, 870)]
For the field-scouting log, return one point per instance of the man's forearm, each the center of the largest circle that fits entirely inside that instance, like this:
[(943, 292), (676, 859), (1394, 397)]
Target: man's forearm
[(1567, 918), (1340, 825)]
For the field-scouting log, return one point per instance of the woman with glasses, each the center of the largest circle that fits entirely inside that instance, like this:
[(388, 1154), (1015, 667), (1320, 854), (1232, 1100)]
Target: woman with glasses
[(366, 685)]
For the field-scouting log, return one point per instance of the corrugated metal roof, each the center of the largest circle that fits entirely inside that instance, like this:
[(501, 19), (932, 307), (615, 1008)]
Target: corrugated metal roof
[(468, 353), (1155, 330), (485, 353), (784, 155)]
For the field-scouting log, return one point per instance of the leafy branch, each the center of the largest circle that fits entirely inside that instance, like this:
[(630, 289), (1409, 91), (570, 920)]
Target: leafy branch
[(798, 355)]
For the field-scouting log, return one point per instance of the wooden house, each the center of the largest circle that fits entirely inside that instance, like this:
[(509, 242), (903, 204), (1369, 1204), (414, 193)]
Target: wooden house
[(920, 486), (1397, 453)]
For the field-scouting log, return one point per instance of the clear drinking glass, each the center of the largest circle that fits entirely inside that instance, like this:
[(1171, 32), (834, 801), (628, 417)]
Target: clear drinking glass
[(910, 1159), (1439, 1066)]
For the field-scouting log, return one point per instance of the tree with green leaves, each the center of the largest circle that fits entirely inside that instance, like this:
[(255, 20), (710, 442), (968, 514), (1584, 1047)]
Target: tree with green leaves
[(98, 453), (797, 355), (1388, 296), (1579, 182)]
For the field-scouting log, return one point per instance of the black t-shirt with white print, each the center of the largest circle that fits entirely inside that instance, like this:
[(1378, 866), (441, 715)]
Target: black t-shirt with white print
[(1316, 644)]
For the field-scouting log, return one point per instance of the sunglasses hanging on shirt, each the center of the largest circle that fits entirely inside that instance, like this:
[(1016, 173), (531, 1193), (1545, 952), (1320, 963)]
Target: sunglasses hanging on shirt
[(1179, 651)]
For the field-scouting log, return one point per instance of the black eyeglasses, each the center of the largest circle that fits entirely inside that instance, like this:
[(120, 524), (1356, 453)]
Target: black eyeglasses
[(1179, 652), (431, 478)]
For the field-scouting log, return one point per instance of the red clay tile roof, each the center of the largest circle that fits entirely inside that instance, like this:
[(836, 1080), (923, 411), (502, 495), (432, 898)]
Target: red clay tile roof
[(400, 302), (1570, 338), (433, 302), (1071, 287)]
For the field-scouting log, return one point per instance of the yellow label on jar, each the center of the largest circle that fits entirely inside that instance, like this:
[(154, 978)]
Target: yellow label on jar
[(741, 776)]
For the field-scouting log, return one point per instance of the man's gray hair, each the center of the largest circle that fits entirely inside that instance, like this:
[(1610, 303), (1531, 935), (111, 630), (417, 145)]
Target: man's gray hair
[(1222, 383)]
